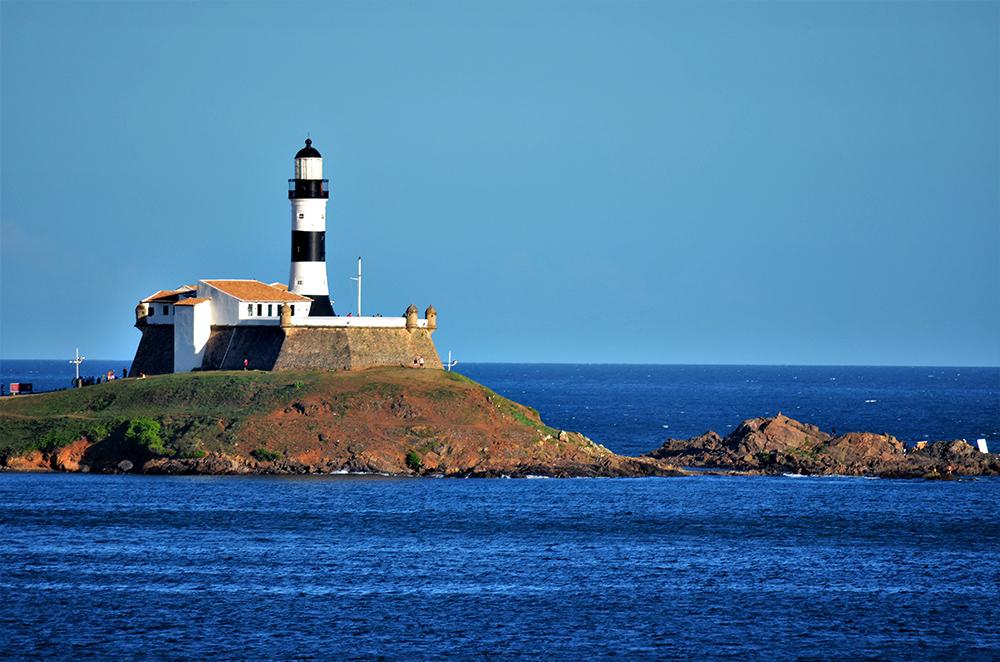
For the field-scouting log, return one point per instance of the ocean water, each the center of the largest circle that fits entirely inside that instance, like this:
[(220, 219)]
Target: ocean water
[(632, 409), (111, 567), (48, 375)]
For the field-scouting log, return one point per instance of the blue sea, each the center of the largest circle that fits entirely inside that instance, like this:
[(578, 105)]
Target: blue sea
[(110, 567)]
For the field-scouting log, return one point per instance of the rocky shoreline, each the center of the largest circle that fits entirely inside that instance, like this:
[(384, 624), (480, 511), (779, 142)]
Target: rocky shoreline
[(79, 457), (402, 422)]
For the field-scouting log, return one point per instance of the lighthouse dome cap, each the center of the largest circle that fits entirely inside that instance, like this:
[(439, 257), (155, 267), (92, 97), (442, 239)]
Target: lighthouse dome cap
[(308, 152)]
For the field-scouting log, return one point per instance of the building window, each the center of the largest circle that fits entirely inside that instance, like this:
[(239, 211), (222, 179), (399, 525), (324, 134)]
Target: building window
[(293, 308), (165, 309), (269, 313), (260, 309), (302, 215), (249, 310)]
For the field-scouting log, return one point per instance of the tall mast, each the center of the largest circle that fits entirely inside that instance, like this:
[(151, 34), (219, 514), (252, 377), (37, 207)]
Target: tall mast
[(359, 285)]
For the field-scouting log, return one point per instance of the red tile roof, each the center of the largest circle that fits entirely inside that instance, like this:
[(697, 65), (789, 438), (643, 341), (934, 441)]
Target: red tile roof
[(169, 296), (254, 290), (192, 301), (165, 296)]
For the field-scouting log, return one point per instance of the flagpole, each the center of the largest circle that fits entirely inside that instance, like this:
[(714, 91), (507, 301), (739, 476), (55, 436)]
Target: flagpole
[(358, 278)]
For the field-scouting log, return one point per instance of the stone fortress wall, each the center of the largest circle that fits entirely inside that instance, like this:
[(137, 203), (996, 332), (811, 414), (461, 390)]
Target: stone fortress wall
[(288, 347)]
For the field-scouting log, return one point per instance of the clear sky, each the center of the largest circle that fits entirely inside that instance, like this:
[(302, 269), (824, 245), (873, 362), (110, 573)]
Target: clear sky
[(790, 182)]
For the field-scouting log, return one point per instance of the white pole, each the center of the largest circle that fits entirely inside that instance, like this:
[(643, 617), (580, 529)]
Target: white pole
[(358, 278), (77, 361)]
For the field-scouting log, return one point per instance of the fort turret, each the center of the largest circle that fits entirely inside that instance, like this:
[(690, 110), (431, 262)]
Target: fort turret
[(432, 318), (309, 193), (411, 317), (141, 313)]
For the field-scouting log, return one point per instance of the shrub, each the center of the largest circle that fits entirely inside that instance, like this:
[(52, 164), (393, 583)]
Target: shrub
[(54, 439), (413, 460), (188, 450), (145, 432), (99, 431), (265, 455)]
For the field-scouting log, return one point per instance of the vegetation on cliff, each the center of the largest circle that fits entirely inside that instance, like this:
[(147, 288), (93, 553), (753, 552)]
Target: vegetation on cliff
[(399, 421), (386, 420)]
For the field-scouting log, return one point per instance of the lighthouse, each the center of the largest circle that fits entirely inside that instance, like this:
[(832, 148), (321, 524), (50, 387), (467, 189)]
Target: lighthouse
[(308, 193)]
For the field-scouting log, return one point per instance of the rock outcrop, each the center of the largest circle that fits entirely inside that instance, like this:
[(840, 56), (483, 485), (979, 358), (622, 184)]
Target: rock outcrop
[(784, 445)]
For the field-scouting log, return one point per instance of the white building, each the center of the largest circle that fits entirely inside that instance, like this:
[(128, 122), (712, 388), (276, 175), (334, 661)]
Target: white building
[(194, 309)]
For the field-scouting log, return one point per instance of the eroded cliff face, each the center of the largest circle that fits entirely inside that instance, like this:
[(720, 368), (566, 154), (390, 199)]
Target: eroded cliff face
[(784, 445), (398, 421), (396, 428)]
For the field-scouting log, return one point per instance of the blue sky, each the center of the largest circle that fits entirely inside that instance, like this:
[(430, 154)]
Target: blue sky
[(811, 183)]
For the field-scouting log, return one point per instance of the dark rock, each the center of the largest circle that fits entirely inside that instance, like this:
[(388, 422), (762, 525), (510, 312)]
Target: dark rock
[(783, 445)]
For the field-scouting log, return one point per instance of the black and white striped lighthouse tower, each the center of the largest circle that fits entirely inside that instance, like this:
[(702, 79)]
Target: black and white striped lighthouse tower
[(308, 193)]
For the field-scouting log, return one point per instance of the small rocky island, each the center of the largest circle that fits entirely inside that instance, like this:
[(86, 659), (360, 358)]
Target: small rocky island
[(400, 421), (783, 445)]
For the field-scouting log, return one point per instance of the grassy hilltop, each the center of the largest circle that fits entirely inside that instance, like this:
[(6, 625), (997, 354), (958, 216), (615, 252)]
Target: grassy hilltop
[(389, 420)]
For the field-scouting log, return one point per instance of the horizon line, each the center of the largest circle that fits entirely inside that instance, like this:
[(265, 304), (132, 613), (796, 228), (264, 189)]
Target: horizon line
[(635, 363)]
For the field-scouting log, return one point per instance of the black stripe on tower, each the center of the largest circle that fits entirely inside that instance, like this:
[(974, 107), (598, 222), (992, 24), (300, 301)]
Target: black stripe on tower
[(308, 188), (321, 306), (308, 246)]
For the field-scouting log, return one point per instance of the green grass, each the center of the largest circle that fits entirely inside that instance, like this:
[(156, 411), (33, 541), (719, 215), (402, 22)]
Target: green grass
[(441, 394), (504, 405), (265, 455), (185, 415), (459, 377), (516, 411), (192, 410), (145, 433)]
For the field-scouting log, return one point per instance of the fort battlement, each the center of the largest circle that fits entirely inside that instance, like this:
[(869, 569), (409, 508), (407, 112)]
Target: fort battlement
[(337, 343)]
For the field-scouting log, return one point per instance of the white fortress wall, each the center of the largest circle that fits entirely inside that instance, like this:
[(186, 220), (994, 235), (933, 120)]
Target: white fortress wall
[(225, 309), (192, 328), (363, 322)]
